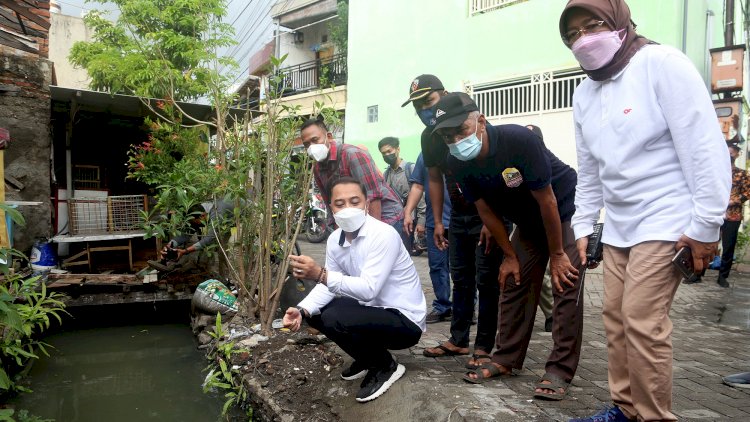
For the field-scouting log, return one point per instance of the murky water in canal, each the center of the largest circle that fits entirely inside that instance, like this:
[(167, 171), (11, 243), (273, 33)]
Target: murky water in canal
[(139, 372)]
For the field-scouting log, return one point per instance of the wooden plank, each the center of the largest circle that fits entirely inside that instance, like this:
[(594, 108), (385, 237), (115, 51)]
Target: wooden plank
[(4, 240), (12, 42), (97, 279), (97, 237), (65, 283), (9, 20), (25, 12)]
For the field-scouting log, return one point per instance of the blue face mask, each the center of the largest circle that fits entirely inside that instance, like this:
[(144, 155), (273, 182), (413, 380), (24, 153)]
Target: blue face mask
[(427, 117), (468, 148)]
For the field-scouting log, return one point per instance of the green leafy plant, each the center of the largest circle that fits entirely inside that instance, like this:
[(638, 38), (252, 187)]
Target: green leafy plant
[(221, 376), (339, 27), (26, 309), (743, 240)]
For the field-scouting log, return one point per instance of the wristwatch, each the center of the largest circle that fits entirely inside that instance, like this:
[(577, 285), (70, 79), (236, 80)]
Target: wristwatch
[(302, 311)]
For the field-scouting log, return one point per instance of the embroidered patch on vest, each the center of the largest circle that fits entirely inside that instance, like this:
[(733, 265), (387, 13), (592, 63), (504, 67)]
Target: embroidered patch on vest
[(512, 177)]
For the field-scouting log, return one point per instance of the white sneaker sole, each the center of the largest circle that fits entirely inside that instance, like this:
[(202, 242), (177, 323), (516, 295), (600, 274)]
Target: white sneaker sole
[(358, 375), (400, 370)]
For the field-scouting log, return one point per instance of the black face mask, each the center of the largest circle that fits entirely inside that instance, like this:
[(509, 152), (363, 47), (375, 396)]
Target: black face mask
[(390, 159)]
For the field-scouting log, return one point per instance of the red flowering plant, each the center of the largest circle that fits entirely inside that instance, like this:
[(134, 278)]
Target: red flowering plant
[(169, 143), (174, 161)]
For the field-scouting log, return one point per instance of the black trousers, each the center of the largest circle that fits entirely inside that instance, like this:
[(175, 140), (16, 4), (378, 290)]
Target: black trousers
[(472, 270), (366, 333), (729, 232)]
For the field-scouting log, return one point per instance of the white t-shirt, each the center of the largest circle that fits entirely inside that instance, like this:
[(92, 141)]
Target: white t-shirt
[(650, 151), (375, 269)]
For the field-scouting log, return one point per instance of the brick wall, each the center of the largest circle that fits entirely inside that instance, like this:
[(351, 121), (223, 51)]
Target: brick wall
[(25, 112)]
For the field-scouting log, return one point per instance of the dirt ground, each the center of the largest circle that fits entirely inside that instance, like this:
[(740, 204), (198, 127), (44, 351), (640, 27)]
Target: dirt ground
[(296, 370)]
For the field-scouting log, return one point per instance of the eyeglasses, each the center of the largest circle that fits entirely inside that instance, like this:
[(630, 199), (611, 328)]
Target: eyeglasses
[(574, 34)]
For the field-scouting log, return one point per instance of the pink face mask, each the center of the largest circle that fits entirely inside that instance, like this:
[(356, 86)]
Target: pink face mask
[(594, 51)]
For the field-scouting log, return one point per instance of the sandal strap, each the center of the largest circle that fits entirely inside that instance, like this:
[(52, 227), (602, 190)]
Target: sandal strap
[(555, 382), (494, 370)]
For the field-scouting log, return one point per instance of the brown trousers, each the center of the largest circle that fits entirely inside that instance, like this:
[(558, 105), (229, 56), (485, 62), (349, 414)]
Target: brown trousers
[(518, 304), (639, 286)]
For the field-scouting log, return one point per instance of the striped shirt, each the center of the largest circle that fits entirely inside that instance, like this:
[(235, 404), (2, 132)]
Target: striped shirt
[(346, 160)]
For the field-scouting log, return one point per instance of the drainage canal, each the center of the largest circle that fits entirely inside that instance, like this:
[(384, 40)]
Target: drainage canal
[(136, 362)]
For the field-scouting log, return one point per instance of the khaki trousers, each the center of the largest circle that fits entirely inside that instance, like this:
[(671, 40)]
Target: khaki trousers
[(639, 285)]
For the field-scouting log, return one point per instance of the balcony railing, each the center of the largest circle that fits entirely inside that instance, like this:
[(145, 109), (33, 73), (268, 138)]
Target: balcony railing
[(313, 75), (481, 6)]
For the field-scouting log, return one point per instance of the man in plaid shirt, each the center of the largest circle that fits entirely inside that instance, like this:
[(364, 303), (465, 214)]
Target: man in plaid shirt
[(339, 160)]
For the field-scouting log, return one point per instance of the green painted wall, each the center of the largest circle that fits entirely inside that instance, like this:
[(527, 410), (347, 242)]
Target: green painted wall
[(392, 41)]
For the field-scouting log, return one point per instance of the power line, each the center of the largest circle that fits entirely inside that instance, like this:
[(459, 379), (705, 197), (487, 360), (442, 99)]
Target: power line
[(243, 11)]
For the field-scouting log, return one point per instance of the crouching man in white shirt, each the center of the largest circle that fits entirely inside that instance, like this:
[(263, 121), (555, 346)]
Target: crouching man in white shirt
[(368, 298)]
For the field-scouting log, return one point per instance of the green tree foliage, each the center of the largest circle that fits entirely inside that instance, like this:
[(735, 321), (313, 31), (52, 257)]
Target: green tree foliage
[(26, 309), (339, 28), (157, 48)]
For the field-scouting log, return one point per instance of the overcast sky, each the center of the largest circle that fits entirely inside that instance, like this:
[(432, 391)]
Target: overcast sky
[(250, 18)]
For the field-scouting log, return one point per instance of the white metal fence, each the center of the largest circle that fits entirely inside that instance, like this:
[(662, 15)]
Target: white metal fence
[(481, 6), (537, 94)]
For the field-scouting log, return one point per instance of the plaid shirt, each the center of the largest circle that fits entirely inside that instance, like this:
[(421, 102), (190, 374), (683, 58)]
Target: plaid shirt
[(348, 160), (739, 194)]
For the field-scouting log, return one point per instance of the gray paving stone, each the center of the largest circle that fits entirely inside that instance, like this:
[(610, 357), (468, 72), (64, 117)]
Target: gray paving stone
[(704, 350)]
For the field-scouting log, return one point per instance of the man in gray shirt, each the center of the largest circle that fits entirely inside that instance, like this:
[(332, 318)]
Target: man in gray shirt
[(397, 176)]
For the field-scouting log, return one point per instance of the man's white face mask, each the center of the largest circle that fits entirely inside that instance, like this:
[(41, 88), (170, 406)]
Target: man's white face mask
[(318, 152), (350, 219)]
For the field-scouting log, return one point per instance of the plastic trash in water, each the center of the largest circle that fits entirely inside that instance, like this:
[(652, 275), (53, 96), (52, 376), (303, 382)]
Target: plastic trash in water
[(277, 323)]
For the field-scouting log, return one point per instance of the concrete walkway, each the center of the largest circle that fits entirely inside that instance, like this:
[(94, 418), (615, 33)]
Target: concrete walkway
[(711, 338)]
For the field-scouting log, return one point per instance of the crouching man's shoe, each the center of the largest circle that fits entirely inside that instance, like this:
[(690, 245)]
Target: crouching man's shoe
[(355, 371), (611, 414), (378, 381)]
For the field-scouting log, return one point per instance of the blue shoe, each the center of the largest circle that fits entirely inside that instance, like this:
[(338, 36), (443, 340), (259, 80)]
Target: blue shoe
[(738, 380), (610, 414)]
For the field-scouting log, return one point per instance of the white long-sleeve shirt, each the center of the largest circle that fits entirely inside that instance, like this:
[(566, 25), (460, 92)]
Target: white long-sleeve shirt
[(375, 269), (650, 152)]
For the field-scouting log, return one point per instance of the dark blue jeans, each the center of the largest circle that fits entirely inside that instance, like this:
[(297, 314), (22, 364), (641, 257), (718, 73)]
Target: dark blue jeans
[(439, 274), (472, 269), (399, 226), (729, 232)]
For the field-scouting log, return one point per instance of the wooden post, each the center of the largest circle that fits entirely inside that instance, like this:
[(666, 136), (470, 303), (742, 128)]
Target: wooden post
[(4, 240)]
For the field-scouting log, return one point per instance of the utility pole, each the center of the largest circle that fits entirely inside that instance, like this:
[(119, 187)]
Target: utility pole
[(728, 22)]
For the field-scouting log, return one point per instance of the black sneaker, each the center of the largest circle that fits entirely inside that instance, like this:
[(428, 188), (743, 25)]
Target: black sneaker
[(722, 282), (353, 372), (434, 316), (379, 381)]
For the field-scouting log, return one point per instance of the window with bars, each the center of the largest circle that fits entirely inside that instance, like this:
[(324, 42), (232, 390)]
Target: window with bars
[(481, 6), (538, 93), (372, 114)]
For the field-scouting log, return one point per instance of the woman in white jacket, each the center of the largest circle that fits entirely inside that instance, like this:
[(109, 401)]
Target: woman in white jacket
[(650, 152)]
